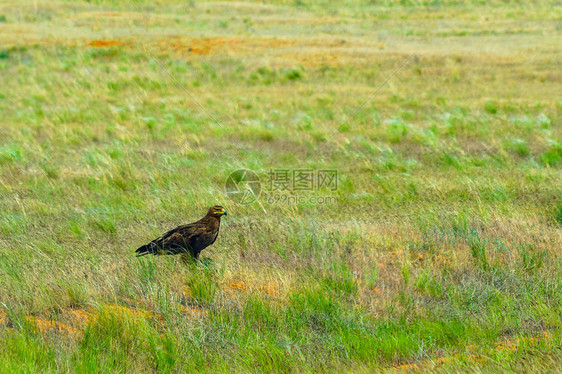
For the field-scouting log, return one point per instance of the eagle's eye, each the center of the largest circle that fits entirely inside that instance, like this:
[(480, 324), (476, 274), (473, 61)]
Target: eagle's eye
[(219, 210)]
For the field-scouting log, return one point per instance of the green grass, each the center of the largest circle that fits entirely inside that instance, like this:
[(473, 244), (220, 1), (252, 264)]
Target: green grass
[(441, 245)]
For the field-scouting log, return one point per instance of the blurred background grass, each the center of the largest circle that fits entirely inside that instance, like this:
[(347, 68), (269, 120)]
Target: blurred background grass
[(122, 119)]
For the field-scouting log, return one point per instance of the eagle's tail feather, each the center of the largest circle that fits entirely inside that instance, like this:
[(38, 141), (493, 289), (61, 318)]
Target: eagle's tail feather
[(144, 250)]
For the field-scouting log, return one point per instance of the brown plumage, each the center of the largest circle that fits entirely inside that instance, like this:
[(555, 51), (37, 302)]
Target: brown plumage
[(187, 240)]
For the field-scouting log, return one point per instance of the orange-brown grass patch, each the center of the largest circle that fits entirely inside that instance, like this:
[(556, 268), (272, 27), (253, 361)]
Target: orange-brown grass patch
[(406, 367), (427, 364), (312, 53), (103, 43), (376, 290), (241, 286), (199, 46), (133, 313), (206, 46), (511, 345), (186, 292), (106, 14), (508, 345), (320, 59), (120, 309), (194, 312), (270, 289), (442, 360), (76, 320), (46, 326), (79, 318)]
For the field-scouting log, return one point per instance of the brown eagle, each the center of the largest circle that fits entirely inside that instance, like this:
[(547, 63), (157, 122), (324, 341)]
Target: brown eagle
[(187, 240)]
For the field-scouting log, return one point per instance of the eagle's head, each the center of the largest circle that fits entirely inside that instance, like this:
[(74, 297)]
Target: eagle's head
[(216, 211)]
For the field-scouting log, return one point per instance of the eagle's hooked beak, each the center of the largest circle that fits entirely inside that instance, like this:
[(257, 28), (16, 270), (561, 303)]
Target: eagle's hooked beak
[(224, 213)]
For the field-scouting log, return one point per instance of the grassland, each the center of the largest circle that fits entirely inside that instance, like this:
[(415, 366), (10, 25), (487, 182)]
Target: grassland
[(120, 120)]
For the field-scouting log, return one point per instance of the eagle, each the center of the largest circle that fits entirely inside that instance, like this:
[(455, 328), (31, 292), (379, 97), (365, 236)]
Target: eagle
[(187, 240)]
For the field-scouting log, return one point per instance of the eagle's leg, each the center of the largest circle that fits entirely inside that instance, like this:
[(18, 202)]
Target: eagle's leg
[(187, 258)]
